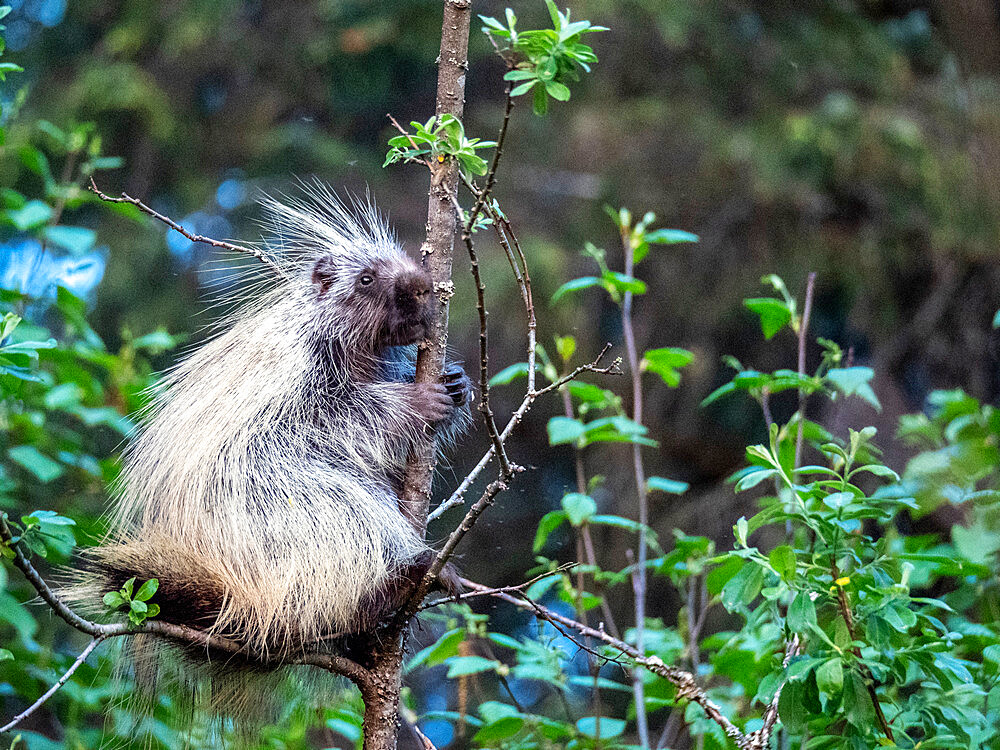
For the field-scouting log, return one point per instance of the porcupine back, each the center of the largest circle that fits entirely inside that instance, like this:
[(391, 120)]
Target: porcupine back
[(258, 492)]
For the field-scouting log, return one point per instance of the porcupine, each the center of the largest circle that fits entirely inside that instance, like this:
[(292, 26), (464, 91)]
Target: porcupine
[(262, 490)]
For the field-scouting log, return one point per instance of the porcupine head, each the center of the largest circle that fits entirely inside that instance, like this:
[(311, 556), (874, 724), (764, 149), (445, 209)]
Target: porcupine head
[(261, 489)]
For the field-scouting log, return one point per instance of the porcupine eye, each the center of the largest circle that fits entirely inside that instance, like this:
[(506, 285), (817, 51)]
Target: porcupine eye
[(366, 279)]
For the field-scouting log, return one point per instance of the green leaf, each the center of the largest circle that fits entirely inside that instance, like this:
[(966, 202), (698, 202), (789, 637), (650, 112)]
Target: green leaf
[(671, 486), (623, 283), (524, 88), (501, 729), (590, 394), (754, 477), (991, 654), (50, 517), (857, 704), (33, 215), (41, 466), (113, 600), (564, 430), (838, 500), (575, 285), (606, 728), (566, 347), (539, 588), (579, 507), (549, 523), (510, 374), (617, 429), (722, 390), (670, 237), (740, 531), (783, 561), (880, 471), (6, 655), (791, 707), (743, 587), (146, 591), (558, 91), (540, 101), (443, 648), (465, 665), (854, 381), (802, 613), (773, 313), (666, 362), (830, 677), (35, 160)]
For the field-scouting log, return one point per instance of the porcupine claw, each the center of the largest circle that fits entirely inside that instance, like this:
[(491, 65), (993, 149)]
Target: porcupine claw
[(457, 384)]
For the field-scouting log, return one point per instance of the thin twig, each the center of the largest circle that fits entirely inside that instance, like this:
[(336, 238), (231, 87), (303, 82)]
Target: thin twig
[(642, 494), (763, 735), (52, 690), (803, 333), (491, 175), (515, 419), (484, 362), (255, 252), (409, 137), (501, 589), (505, 233), (586, 539), (518, 263), (428, 745), (845, 612), (684, 682)]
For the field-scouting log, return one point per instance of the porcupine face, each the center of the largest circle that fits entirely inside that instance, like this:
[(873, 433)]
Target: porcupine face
[(385, 302)]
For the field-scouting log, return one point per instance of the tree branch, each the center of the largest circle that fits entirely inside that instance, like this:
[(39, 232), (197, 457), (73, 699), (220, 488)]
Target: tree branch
[(484, 354), (255, 252), (181, 633), (684, 682), (52, 690), (642, 493)]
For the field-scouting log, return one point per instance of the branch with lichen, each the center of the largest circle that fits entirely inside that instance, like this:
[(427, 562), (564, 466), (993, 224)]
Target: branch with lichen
[(101, 632)]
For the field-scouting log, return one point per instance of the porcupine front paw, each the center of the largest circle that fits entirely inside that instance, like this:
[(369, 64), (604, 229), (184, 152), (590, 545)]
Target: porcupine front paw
[(457, 383), (432, 402)]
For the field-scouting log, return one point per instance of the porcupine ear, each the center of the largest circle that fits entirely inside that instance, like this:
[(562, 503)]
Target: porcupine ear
[(324, 273)]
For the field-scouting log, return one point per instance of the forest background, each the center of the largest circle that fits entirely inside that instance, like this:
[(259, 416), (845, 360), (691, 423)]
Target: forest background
[(859, 140)]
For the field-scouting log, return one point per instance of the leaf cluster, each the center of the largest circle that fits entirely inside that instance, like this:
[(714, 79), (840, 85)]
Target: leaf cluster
[(137, 605), (438, 139), (543, 61)]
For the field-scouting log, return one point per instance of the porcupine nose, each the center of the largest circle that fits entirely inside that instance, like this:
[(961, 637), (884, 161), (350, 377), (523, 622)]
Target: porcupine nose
[(413, 293)]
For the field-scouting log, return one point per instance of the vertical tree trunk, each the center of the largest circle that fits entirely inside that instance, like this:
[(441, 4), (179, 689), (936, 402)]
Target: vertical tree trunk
[(381, 693), (381, 696), (436, 252)]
